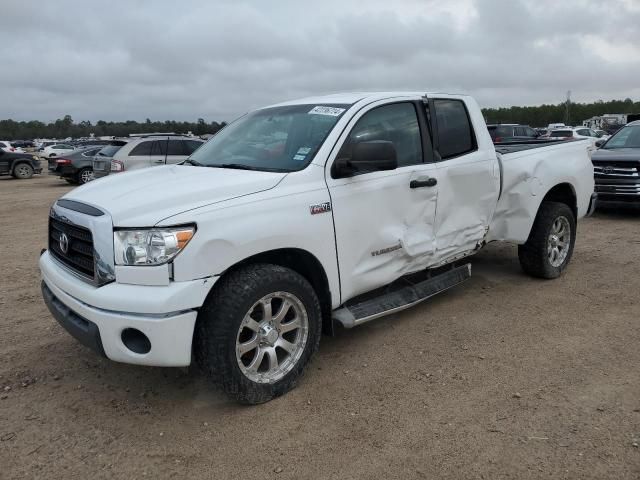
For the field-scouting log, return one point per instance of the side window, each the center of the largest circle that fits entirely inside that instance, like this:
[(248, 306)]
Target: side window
[(177, 147), (455, 133), (142, 149), (397, 123), (530, 132), (520, 132), (192, 146), (159, 148)]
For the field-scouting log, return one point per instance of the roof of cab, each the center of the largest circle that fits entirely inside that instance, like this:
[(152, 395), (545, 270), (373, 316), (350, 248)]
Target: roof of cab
[(350, 98)]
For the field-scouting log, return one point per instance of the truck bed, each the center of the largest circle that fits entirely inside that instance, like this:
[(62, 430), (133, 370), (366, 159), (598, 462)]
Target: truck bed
[(512, 147)]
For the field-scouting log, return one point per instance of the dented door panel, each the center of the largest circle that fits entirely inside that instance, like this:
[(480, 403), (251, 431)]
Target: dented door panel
[(384, 228)]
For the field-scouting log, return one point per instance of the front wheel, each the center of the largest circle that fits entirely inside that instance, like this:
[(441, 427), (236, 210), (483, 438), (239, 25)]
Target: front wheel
[(550, 244), (257, 331)]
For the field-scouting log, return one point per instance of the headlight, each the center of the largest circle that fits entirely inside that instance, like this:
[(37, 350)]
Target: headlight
[(153, 246)]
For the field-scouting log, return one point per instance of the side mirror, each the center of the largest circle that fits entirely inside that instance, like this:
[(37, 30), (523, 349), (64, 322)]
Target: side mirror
[(600, 143), (371, 156)]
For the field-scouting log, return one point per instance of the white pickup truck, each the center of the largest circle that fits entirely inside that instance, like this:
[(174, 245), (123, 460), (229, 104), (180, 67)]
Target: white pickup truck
[(297, 218)]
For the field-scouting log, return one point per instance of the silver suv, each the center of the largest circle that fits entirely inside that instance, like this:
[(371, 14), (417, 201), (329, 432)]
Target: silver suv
[(144, 151)]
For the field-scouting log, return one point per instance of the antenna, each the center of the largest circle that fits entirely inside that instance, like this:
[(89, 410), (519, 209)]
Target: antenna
[(567, 111)]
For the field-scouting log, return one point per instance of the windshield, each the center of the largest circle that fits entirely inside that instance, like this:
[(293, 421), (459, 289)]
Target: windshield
[(626, 137), (281, 139)]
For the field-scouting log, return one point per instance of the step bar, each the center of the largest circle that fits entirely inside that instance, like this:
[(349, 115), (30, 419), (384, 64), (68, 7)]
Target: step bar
[(352, 315)]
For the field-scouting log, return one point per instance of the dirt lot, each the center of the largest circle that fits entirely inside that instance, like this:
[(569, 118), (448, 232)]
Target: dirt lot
[(503, 377)]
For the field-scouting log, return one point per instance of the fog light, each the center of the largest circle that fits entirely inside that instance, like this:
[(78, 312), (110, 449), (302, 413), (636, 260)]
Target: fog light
[(136, 341)]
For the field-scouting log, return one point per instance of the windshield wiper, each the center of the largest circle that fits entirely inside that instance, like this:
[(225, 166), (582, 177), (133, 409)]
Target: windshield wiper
[(193, 162), (238, 166), (242, 166)]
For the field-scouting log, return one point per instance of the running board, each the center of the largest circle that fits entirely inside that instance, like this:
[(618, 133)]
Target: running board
[(352, 315)]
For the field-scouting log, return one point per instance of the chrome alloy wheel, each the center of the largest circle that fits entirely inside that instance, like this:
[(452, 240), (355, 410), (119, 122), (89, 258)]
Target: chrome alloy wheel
[(86, 176), (272, 337), (559, 241)]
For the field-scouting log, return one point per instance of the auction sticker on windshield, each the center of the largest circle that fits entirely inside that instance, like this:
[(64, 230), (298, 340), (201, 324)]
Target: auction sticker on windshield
[(331, 111)]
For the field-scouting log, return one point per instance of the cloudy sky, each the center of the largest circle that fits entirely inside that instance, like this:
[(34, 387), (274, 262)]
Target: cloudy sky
[(215, 59)]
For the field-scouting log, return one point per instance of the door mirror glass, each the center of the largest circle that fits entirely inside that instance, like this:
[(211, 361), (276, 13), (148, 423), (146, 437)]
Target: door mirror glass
[(600, 143), (373, 156)]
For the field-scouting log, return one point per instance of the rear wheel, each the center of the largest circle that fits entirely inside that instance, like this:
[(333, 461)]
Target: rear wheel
[(550, 245), (23, 171), (257, 332), (85, 175)]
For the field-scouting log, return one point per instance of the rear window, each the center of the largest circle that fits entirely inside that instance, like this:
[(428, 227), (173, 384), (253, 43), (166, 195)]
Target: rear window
[(562, 133), (109, 150), (497, 131), (455, 134)]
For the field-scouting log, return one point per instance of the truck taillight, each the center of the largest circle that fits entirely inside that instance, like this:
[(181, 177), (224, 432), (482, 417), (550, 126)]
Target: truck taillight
[(117, 166), (498, 140)]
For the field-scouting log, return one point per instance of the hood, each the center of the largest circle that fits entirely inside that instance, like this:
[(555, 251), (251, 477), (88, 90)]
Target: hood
[(617, 155), (144, 197)]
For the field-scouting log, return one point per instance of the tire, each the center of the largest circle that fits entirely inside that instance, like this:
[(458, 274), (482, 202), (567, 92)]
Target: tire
[(233, 319), (549, 247), (23, 171), (85, 175)]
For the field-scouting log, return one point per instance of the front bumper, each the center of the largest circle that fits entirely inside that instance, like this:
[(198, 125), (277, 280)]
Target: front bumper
[(98, 316)]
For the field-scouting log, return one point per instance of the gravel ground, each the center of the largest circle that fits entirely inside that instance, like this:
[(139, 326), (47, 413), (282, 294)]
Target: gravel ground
[(502, 377)]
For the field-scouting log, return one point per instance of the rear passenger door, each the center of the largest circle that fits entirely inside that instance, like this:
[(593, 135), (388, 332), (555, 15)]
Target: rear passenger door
[(468, 176)]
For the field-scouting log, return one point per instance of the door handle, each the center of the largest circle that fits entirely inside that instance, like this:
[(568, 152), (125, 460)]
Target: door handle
[(159, 161), (423, 182)]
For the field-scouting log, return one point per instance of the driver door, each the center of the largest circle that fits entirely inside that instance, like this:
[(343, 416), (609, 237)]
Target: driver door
[(384, 220)]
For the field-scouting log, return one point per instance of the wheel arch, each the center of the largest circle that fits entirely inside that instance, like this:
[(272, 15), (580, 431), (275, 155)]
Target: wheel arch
[(304, 263), (20, 161), (563, 193)]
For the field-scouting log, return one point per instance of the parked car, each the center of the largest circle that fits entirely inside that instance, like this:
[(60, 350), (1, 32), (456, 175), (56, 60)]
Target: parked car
[(332, 210), (75, 167), (19, 164), (7, 147), (575, 133), (616, 166), (503, 133), (144, 152), (56, 150), (22, 144)]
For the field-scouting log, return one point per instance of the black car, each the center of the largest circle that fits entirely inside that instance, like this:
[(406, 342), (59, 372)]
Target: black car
[(504, 133), (22, 144), (75, 167), (616, 167), (20, 165)]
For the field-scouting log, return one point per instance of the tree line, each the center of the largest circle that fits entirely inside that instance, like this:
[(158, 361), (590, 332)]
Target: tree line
[(65, 127), (537, 116), (543, 115)]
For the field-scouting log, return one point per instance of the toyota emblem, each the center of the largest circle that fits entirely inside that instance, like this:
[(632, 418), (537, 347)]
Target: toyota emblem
[(607, 170), (63, 242)]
